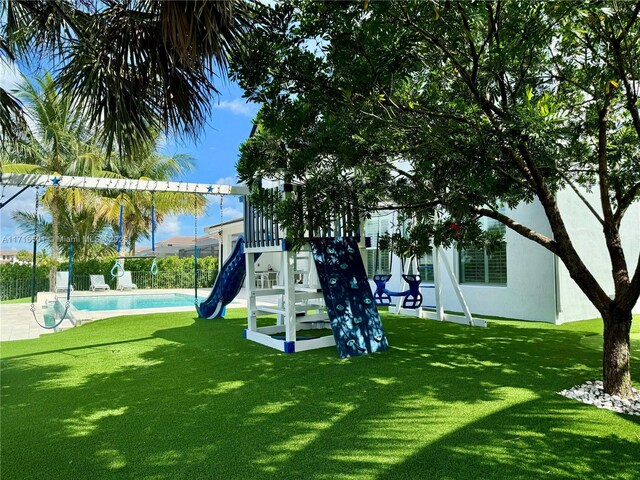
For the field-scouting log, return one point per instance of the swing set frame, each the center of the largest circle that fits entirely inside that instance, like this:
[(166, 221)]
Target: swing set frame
[(412, 303), (103, 183)]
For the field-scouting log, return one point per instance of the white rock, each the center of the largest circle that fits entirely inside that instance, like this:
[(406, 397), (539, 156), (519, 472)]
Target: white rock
[(592, 393)]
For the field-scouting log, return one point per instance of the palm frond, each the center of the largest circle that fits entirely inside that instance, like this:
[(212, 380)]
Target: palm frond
[(13, 125)]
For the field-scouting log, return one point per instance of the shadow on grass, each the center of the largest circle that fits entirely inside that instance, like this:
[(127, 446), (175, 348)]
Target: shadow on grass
[(191, 399)]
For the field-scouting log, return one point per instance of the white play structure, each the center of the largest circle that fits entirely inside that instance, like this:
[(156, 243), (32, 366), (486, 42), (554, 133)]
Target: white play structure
[(301, 302)]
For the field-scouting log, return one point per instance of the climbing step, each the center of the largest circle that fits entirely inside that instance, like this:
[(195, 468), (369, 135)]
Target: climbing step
[(355, 322), (316, 318)]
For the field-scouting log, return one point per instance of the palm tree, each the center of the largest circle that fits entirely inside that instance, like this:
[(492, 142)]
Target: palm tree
[(135, 66), (12, 121), (148, 164), (58, 143), (90, 234)]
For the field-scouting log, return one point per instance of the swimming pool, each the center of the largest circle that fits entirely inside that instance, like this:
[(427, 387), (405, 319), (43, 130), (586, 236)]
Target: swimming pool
[(95, 303)]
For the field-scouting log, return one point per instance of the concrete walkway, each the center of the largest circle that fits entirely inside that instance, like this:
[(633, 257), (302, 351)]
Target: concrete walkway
[(17, 323)]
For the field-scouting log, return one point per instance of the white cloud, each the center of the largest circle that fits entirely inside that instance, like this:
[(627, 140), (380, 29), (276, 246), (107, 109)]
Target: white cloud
[(169, 227), (226, 181), (231, 213), (10, 76), (238, 106)]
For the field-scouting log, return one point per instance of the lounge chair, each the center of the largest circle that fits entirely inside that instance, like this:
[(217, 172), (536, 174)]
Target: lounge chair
[(98, 283), (62, 280), (125, 282)]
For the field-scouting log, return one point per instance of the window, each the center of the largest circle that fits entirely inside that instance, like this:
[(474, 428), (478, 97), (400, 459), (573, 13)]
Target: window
[(480, 266), (425, 267), (378, 261), (382, 262)]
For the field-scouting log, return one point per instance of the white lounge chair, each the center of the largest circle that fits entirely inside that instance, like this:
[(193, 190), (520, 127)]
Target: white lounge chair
[(98, 283), (62, 280), (125, 282)]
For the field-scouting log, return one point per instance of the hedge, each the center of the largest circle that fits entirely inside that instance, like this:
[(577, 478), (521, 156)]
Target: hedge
[(173, 272)]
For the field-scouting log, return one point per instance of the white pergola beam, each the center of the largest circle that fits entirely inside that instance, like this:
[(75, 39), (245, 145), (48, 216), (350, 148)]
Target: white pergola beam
[(103, 183)]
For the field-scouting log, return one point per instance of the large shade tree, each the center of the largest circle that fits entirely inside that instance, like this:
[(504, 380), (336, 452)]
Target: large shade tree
[(461, 106)]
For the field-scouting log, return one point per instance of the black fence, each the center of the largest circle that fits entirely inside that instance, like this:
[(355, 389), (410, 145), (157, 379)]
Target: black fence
[(21, 287)]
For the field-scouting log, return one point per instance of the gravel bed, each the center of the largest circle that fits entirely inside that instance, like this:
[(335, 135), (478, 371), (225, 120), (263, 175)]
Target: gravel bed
[(593, 393)]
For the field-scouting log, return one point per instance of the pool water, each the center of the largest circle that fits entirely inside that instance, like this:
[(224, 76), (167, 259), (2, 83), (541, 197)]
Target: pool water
[(48, 315), (96, 303)]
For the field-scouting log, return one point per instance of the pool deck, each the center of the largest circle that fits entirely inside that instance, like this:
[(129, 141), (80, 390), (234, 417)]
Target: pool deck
[(17, 323)]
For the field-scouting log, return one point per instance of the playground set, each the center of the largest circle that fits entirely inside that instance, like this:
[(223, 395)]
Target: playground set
[(411, 298), (324, 284)]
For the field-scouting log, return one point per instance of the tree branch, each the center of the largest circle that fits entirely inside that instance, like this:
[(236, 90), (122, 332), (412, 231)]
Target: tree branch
[(632, 20), (611, 232), (633, 292), (523, 230), (632, 98), (625, 202), (394, 206), (472, 48)]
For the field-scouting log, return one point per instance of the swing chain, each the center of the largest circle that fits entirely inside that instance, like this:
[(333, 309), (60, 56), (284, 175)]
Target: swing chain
[(195, 248), (35, 239), (195, 217), (221, 215)]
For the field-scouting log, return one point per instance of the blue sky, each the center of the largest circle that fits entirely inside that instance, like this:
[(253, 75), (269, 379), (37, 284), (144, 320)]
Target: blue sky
[(215, 152)]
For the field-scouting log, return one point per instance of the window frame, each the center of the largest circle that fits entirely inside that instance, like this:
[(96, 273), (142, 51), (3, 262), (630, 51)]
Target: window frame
[(486, 259)]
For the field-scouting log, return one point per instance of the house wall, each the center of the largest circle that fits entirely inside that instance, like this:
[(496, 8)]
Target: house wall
[(230, 232), (538, 285), (530, 290), (588, 239)]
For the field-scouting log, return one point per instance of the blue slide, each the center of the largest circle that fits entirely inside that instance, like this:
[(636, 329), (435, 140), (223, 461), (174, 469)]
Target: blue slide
[(352, 311), (227, 285)]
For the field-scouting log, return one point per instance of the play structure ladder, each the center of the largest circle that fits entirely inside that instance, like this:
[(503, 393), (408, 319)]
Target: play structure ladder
[(355, 321)]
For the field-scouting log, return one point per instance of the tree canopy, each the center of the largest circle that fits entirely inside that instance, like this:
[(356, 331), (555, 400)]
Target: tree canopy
[(463, 107)]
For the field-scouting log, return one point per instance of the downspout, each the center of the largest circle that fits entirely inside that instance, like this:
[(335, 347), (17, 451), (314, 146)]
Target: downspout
[(556, 289)]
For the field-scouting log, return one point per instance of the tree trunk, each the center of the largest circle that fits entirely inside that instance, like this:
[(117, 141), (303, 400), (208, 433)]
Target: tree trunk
[(615, 359), (54, 243)]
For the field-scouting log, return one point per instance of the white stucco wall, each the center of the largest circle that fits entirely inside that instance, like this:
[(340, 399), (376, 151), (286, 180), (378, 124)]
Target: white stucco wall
[(588, 239), (530, 290)]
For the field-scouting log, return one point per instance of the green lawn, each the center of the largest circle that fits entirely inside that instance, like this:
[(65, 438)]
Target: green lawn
[(168, 396), (17, 300)]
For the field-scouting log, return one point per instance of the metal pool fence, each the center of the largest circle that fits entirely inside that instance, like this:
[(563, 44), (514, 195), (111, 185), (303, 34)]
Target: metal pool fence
[(21, 287)]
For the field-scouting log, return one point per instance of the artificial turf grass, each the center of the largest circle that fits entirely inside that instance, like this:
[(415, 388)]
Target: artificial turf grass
[(167, 396), (16, 300)]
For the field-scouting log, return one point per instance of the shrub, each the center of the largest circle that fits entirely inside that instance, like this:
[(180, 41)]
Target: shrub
[(173, 272)]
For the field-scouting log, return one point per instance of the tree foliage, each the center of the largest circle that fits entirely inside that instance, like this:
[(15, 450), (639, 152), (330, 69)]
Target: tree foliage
[(136, 66), (459, 107)]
